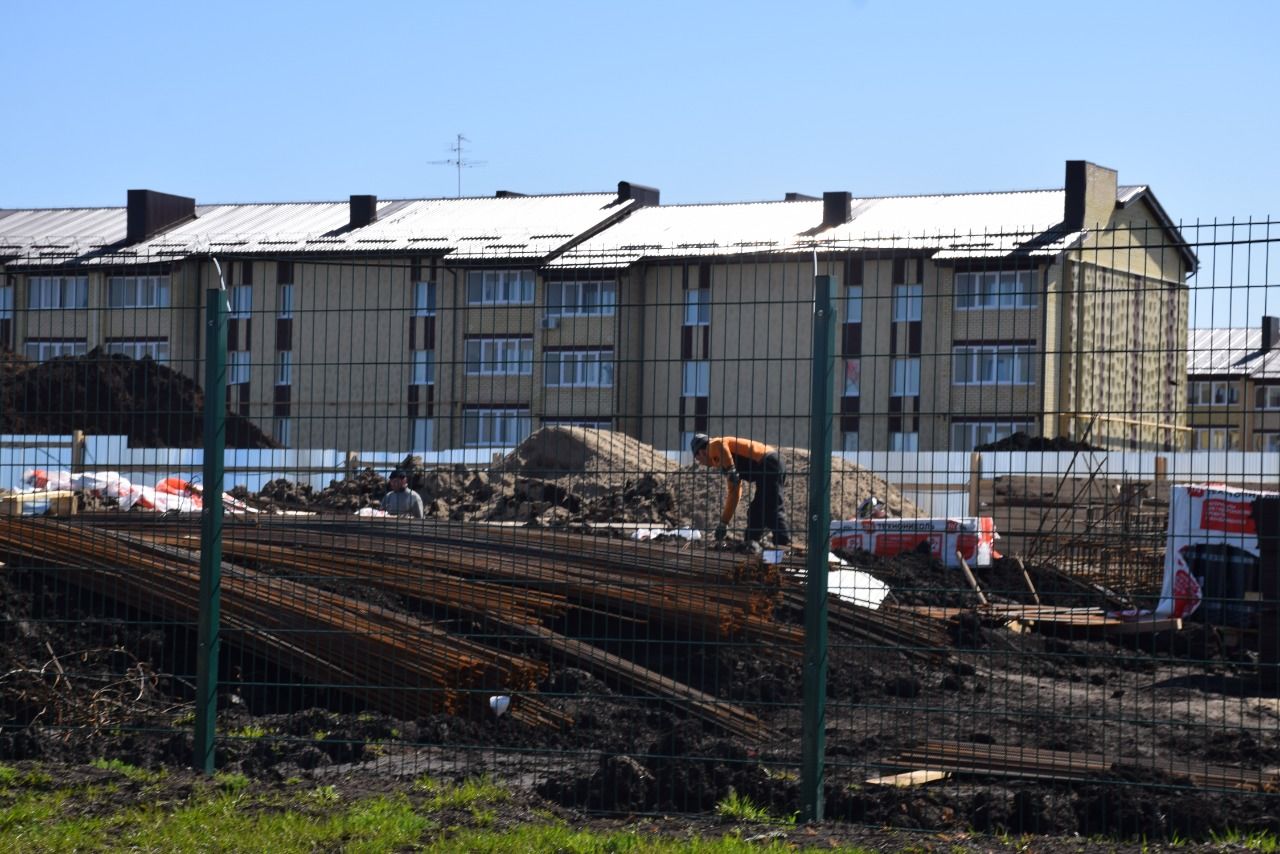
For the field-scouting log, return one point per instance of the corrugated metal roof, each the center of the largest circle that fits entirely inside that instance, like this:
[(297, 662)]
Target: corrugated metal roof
[(467, 229), (54, 235), (1227, 351), (967, 225)]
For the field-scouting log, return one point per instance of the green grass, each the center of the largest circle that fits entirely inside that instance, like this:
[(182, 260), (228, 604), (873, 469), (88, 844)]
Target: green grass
[(735, 807), (1264, 842), (564, 840), (130, 772)]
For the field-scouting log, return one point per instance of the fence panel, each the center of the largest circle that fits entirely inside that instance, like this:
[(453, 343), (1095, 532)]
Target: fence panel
[(552, 599)]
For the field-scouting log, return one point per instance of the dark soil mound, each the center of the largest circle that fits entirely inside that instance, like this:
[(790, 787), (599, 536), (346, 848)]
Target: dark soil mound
[(112, 394), (1022, 442)]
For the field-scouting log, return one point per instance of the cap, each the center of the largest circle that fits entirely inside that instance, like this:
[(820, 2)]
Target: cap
[(397, 473), (698, 442)]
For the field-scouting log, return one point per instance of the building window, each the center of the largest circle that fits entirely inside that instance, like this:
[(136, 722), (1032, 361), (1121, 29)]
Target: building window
[(284, 367), (499, 356), (282, 432), (237, 367), (424, 299), (697, 307), (908, 301), (849, 441), (499, 287), (998, 364), (6, 302), (967, 435), (696, 381), (1215, 439), (152, 348), (241, 301), (906, 378), (853, 304), (138, 292), (594, 423), (284, 306), (424, 434), (1269, 442), (852, 377), (581, 299), (424, 367), (1213, 393), (48, 292), (579, 368), (1268, 396), (494, 428), (53, 348), (904, 441), (1010, 289)]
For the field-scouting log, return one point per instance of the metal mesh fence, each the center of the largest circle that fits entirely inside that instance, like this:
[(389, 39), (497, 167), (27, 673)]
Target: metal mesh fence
[(462, 528)]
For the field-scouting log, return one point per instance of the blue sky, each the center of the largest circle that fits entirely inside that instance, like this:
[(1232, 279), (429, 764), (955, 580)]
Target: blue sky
[(709, 101)]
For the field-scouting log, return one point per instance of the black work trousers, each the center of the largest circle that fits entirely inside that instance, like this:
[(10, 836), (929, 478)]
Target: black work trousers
[(764, 513)]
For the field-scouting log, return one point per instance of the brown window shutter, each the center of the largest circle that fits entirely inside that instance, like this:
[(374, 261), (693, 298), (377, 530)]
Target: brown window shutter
[(895, 424), (284, 333), (429, 333), (899, 271), (686, 342), (852, 343), (853, 271), (850, 405), (706, 342), (704, 275), (233, 335), (246, 272), (914, 334), (284, 272), (413, 333), (848, 423)]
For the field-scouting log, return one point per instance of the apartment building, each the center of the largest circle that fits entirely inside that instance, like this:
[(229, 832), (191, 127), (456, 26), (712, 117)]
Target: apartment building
[(1233, 388), (961, 318), (360, 325), (444, 323)]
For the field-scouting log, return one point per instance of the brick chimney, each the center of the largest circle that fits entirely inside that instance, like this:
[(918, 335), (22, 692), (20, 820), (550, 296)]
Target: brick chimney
[(364, 211), (1091, 195), (1270, 333), (150, 213), (640, 193), (837, 207)]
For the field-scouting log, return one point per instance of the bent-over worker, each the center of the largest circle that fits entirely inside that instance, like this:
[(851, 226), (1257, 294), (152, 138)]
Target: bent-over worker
[(401, 500), (747, 460)]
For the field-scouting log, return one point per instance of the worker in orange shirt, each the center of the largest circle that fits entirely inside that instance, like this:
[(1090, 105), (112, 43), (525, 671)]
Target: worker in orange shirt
[(747, 460)]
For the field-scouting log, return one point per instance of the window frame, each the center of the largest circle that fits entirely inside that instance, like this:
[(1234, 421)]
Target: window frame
[(425, 294), (1025, 294), (236, 295), (284, 367), (904, 383), (559, 306), (507, 281), (239, 364), (584, 361), (284, 300), (908, 303), (701, 378), (697, 307), (492, 360), (78, 347), (135, 348), (518, 418), (59, 287), (977, 357), (852, 367), (853, 301), (142, 292), (423, 368)]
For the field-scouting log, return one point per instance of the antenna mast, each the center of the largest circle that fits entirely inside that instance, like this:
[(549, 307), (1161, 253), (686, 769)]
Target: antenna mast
[(458, 160)]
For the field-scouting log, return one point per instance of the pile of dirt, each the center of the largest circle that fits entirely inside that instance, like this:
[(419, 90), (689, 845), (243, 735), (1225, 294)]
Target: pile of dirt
[(580, 476), (1020, 441), (112, 394)]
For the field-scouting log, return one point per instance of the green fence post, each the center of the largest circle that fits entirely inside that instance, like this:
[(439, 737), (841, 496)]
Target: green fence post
[(813, 739), (215, 441)]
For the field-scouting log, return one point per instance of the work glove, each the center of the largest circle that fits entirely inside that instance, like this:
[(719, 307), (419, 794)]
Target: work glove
[(734, 477), (720, 531)]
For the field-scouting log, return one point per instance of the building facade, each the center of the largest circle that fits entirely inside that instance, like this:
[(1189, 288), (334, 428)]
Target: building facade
[(446, 323), (1233, 388)]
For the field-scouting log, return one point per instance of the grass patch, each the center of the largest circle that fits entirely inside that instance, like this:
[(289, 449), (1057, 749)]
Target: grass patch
[(129, 772), (467, 795), (565, 840), (735, 807)]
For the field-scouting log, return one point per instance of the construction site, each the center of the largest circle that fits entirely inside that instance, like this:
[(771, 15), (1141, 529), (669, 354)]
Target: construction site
[(560, 619)]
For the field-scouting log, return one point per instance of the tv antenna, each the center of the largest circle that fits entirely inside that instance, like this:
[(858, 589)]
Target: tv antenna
[(458, 160)]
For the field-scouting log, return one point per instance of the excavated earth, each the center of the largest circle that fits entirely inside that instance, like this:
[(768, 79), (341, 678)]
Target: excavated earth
[(85, 679), (111, 394)]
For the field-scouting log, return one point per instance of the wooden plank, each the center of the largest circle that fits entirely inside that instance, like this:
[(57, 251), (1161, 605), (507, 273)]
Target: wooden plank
[(909, 778)]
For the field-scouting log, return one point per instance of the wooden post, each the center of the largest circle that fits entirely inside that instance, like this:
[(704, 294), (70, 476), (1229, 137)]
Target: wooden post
[(1027, 578), (968, 575), (77, 450), (1162, 469), (975, 483), (352, 463)]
